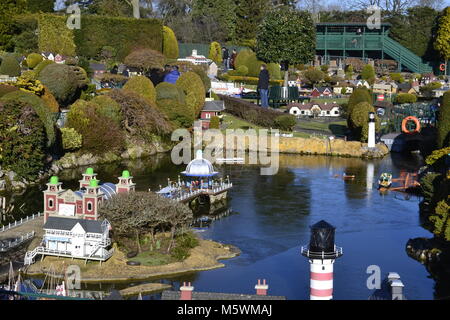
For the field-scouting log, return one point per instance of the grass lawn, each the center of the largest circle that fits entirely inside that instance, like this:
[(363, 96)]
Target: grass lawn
[(153, 258), (330, 100), (232, 122), (337, 127)]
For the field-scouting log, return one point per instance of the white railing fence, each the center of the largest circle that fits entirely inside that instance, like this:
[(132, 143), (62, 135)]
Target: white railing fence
[(20, 222)]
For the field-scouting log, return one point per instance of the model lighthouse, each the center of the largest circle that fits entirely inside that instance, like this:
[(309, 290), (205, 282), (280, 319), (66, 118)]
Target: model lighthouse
[(322, 252)]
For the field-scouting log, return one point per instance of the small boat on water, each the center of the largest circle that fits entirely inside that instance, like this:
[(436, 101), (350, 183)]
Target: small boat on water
[(385, 180)]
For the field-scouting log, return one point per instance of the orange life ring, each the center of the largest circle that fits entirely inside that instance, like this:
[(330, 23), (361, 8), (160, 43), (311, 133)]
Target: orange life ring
[(405, 122), (442, 67)]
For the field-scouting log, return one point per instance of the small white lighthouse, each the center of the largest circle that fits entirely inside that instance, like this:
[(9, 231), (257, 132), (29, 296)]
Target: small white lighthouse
[(321, 252), (371, 141)]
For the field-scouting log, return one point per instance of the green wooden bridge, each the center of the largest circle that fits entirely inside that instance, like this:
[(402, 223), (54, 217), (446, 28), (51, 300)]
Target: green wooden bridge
[(348, 40), (357, 40)]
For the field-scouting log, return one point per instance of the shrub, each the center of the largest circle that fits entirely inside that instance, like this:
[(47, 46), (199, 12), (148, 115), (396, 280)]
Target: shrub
[(359, 95), (248, 58), (241, 71), (242, 57), (444, 121), (140, 118), (441, 220), (437, 156), (50, 101), (429, 184), (39, 107), (397, 77), (41, 66), (171, 100), (28, 83), (142, 86), (285, 122), (22, 137), (107, 107), (62, 81), (313, 76), (54, 36), (170, 43), (71, 139), (10, 66), (406, 98), (214, 123), (194, 90), (274, 71), (145, 59), (34, 59), (215, 52), (77, 117), (184, 243), (368, 73), (250, 112), (5, 89)]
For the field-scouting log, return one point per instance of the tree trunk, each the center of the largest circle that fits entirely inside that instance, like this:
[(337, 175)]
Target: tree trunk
[(172, 236), (138, 242)]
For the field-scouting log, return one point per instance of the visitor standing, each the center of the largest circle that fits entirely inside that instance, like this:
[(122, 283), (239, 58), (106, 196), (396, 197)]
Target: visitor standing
[(233, 59), (263, 86), (173, 75), (226, 59)]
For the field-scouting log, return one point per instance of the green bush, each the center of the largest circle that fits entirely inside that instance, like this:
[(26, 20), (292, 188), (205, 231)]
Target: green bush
[(170, 43), (441, 220), (248, 58), (10, 66), (397, 77), (123, 34), (107, 107), (166, 90), (429, 184), (39, 107), (437, 156), (368, 73), (71, 139), (274, 71), (241, 71), (34, 59), (184, 243), (406, 98), (193, 87), (242, 57), (63, 82), (176, 112), (443, 125), (50, 101), (359, 95), (285, 122), (22, 137), (41, 66), (54, 36), (142, 86), (214, 123), (215, 52)]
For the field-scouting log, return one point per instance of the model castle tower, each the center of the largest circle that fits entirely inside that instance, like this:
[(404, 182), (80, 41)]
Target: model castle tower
[(125, 184)]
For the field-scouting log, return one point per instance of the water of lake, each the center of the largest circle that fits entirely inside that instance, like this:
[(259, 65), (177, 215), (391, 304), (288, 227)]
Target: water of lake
[(271, 218)]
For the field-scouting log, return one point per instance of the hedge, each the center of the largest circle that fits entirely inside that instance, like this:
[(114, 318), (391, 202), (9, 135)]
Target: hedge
[(5, 89), (170, 44), (215, 52), (166, 90), (249, 80), (10, 66), (444, 121), (41, 66), (41, 109), (142, 86), (406, 98), (194, 89), (54, 36), (34, 59), (123, 34), (250, 112)]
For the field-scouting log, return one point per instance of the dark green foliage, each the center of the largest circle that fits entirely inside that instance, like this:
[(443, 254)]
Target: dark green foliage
[(441, 220), (285, 122), (249, 15), (171, 100), (314, 76), (10, 66), (40, 5), (194, 90), (286, 35), (397, 77), (123, 34), (108, 108), (406, 98), (8, 9), (22, 137), (359, 95), (166, 90), (54, 36), (429, 184), (63, 82), (359, 120), (141, 119), (183, 244), (41, 66), (444, 121), (368, 73), (436, 158), (25, 38), (39, 107), (250, 112)]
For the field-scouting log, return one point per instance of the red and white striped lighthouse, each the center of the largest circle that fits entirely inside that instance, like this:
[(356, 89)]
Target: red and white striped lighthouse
[(321, 253)]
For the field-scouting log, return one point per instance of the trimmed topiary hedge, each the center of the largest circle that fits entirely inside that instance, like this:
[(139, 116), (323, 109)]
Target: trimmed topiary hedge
[(215, 52), (170, 44), (41, 66), (194, 89), (41, 110), (406, 98), (10, 66), (34, 59), (54, 36), (123, 34), (166, 90), (143, 86), (5, 89), (108, 107)]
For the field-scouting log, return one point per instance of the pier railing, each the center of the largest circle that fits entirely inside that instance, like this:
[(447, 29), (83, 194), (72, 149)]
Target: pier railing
[(336, 253), (185, 195), (12, 244), (20, 222)]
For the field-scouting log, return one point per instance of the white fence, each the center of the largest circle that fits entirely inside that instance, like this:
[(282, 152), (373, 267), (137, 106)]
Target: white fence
[(20, 222), (17, 242)]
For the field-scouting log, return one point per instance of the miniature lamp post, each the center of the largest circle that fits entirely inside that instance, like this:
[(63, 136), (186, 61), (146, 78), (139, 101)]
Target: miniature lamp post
[(321, 252), (371, 142)]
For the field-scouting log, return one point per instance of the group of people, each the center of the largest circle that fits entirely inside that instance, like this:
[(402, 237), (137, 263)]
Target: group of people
[(228, 60), (170, 74)]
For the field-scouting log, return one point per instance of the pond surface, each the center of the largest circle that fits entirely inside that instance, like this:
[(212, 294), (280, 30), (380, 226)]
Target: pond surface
[(270, 221)]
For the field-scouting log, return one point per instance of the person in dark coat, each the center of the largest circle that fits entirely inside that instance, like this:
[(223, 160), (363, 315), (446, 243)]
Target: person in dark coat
[(233, 59), (263, 86), (226, 59)]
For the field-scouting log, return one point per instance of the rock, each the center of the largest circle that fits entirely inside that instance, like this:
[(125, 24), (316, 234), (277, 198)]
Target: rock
[(133, 263), (132, 254)]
